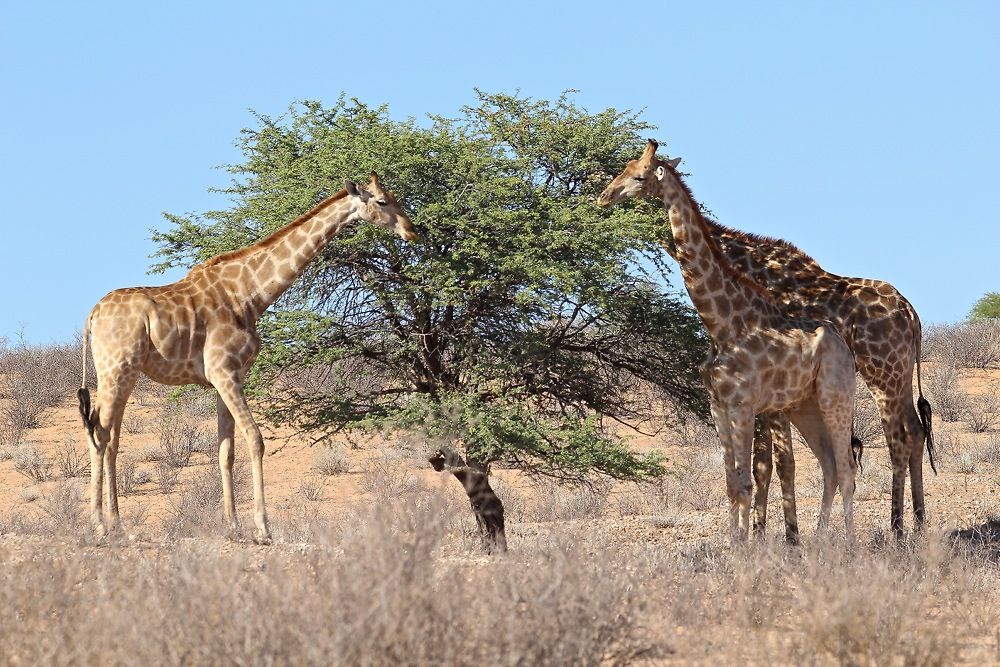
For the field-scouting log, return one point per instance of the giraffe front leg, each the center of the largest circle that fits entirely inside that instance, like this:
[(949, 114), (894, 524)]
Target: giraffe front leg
[(742, 438), (227, 431), (735, 426), (230, 390)]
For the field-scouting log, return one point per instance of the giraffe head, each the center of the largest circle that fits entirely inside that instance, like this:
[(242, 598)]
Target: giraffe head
[(645, 177), (379, 206)]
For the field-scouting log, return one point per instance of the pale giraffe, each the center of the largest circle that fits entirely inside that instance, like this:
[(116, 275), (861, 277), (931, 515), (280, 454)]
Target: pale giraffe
[(883, 331), (761, 360), (202, 330)]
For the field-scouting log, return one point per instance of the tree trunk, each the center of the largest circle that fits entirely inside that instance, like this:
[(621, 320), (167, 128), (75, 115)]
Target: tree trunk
[(485, 503)]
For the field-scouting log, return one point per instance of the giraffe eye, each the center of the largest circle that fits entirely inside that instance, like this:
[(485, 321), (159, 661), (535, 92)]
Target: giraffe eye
[(382, 202)]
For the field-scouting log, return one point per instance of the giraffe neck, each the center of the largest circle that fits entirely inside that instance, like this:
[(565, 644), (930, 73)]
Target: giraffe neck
[(268, 268), (727, 302)]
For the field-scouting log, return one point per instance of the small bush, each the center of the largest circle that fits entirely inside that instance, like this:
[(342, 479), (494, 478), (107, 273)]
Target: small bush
[(132, 423), (35, 378), (71, 461), (982, 412), (947, 397), (311, 488), (166, 476), (386, 476), (867, 420), (176, 445), (63, 509), (331, 461), (990, 451), (129, 475), (196, 512), (31, 463)]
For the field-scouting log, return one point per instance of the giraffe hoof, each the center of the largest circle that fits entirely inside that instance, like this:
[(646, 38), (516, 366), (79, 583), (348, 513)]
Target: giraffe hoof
[(262, 538)]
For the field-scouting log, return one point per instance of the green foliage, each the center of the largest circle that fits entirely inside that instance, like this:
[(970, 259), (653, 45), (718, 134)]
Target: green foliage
[(508, 433), (988, 306), (521, 301)]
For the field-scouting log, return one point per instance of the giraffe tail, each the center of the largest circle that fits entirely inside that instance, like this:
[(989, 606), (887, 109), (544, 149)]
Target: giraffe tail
[(924, 408), (857, 449), (83, 394)]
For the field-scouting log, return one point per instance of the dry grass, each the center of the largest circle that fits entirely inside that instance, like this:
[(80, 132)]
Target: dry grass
[(395, 585)]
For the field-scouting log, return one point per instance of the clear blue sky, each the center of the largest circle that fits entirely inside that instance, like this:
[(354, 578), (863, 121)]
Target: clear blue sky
[(867, 133)]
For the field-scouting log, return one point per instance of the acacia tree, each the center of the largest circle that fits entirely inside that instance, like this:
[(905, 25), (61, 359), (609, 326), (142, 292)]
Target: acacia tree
[(521, 322), (986, 307)]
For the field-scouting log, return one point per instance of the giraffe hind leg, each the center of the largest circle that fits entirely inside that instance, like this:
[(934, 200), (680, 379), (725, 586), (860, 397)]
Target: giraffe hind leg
[(762, 465)]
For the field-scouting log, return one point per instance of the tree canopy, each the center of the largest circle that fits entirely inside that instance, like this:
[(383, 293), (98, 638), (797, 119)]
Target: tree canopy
[(988, 306), (523, 319)]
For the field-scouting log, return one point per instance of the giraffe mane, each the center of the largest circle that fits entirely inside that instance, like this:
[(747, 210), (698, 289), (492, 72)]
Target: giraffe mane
[(751, 238), (720, 257), (272, 238)]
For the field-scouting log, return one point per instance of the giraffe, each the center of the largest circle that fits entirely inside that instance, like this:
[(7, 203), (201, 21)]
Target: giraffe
[(202, 330), (883, 331), (761, 360)]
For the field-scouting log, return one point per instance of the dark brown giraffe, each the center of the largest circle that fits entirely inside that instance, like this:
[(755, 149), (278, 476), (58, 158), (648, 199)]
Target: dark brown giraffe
[(202, 330), (883, 331)]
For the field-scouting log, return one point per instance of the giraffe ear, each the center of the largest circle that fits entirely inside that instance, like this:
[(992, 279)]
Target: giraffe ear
[(355, 190), (374, 178), (660, 172), (673, 163)]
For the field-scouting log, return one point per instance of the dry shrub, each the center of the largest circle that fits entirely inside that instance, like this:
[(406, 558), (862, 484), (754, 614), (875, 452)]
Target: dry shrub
[(166, 476), (34, 378), (860, 610), (332, 461), (514, 502), (11, 436), (968, 345), (700, 484), (874, 482), (132, 423), (990, 451), (387, 475), (311, 488), (867, 420), (62, 510), (70, 460), (197, 510), (982, 412), (177, 441), (645, 498), (31, 463), (129, 475), (949, 400), (695, 433)]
